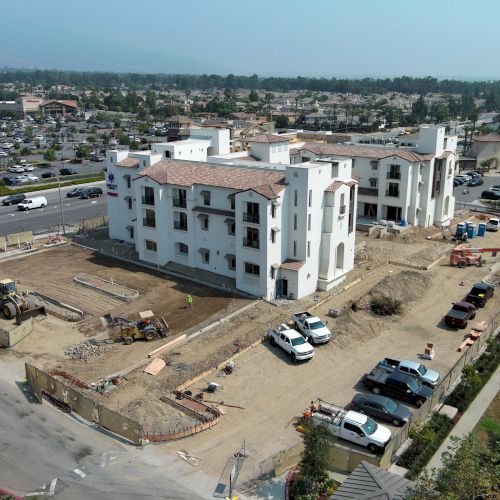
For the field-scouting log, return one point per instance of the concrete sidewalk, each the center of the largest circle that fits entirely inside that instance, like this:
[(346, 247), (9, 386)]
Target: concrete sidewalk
[(469, 419)]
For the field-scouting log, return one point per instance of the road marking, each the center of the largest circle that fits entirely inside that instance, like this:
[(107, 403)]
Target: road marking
[(78, 473), (49, 490), (53, 485), (106, 458)]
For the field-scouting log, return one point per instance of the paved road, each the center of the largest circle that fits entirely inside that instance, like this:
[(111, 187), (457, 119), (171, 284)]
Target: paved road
[(43, 450), (39, 220)]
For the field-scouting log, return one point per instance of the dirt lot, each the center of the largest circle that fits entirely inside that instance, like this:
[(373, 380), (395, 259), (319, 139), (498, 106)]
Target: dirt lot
[(271, 389)]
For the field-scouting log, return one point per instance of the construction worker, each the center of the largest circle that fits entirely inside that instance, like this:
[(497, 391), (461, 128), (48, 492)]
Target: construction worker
[(189, 301)]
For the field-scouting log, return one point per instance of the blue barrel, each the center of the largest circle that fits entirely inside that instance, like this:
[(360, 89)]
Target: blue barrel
[(471, 230), (481, 229), (461, 229)]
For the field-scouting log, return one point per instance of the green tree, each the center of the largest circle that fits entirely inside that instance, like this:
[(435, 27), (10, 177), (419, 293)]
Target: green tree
[(439, 111), (49, 155), (25, 152), (253, 96), (281, 121), (419, 110)]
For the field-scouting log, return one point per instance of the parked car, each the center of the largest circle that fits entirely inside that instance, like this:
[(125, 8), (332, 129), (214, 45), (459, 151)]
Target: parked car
[(459, 314), (480, 294), (397, 385), (76, 192), (380, 407), (91, 192), (459, 180), (13, 199), (48, 175), (97, 158), (352, 426), (3, 154), (28, 167), (493, 224), (67, 171), (475, 182), (31, 177), (31, 203), (10, 180), (16, 169), (312, 328), (424, 375), (292, 342), (472, 174), (490, 195)]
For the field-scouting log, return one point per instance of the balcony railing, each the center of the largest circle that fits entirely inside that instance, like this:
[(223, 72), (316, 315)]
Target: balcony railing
[(179, 202), (146, 200), (250, 243), (182, 226), (249, 217), (394, 175), (149, 223), (392, 194)]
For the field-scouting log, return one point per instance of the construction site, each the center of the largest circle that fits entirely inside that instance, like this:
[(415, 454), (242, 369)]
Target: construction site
[(127, 338)]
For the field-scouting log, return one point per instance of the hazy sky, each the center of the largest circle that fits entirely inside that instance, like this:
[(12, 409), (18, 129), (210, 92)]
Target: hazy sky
[(354, 38)]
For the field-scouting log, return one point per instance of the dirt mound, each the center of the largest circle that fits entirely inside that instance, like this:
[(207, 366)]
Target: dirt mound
[(407, 286)]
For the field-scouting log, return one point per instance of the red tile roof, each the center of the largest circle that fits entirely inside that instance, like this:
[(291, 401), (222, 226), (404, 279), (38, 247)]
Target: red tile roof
[(267, 138), (182, 173), (70, 103), (364, 152), (336, 184), (292, 265), (444, 155), (270, 191), (486, 138), (128, 162)]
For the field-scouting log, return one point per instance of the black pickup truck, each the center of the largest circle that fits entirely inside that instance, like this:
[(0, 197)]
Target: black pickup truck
[(480, 294), (397, 385)]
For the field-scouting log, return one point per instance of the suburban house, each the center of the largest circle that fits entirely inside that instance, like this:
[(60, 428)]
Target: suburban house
[(486, 148), (412, 184), (274, 232)]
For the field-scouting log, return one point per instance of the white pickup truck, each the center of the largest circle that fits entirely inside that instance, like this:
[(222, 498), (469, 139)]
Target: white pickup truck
[(493, 224), (292, 342), (352, 426), (313, 329)]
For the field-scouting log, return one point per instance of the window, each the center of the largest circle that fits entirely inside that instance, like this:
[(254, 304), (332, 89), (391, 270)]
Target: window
[(308, 248), (179, 198), (232, 201), (131, 232), (295, 249), (374, 164), (295, 222), (149, 219), (231, 228), (251, 268), (149, 196), (309, 222), (273, 236), (206, 197), (128, 181), (342, 207), (252, 213), (272, 273), (180, 221), (150, 245), (205, 255), (310, 197), (129, 203), (273, 210), (231, 263), (204, 222), (394, 172), (252, 238), (183, 248), (295, 198), (373, 182), (392, 190)]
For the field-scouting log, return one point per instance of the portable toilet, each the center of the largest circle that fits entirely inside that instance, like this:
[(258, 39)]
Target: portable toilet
[(461, 229), (481, 229), (471, 230)]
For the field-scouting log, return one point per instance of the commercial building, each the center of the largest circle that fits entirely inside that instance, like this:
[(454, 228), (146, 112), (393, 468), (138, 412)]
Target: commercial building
[(282, 231), (411, 184), (28, 105), (486, 148)]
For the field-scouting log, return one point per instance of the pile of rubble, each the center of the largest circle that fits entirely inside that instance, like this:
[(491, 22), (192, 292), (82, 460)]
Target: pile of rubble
[(85, 351)]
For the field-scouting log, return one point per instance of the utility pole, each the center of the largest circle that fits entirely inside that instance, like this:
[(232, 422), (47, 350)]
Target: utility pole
[(60, 199)]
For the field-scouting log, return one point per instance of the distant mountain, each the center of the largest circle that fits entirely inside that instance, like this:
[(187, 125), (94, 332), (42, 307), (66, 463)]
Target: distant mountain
[(28, 46)]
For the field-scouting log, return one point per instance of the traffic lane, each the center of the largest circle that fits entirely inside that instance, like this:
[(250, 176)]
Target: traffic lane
[(39, 220), (475, 191)]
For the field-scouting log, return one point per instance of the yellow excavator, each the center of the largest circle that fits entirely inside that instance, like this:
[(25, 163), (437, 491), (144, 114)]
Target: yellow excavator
[(15, 304)]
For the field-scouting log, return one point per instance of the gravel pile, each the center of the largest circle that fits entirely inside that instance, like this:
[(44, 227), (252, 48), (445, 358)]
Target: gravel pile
[(85, 351)]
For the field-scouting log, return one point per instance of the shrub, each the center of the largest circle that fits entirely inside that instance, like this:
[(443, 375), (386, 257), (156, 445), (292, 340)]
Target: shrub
[(384, 305)]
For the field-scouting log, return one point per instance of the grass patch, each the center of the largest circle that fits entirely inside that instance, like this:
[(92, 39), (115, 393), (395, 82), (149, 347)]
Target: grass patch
[(491, 427)]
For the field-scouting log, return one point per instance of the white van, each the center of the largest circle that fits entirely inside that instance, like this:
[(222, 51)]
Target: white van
[(30, 203)]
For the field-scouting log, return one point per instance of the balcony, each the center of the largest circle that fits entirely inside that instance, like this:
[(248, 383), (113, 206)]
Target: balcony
[(147, 200), (179, 202), (251, 243), (392, 193), (181, 226), (394, 175), (249, 217)]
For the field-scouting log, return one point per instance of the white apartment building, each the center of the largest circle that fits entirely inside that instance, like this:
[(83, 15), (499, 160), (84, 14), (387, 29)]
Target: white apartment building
[(282, 232), (413, 184)]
